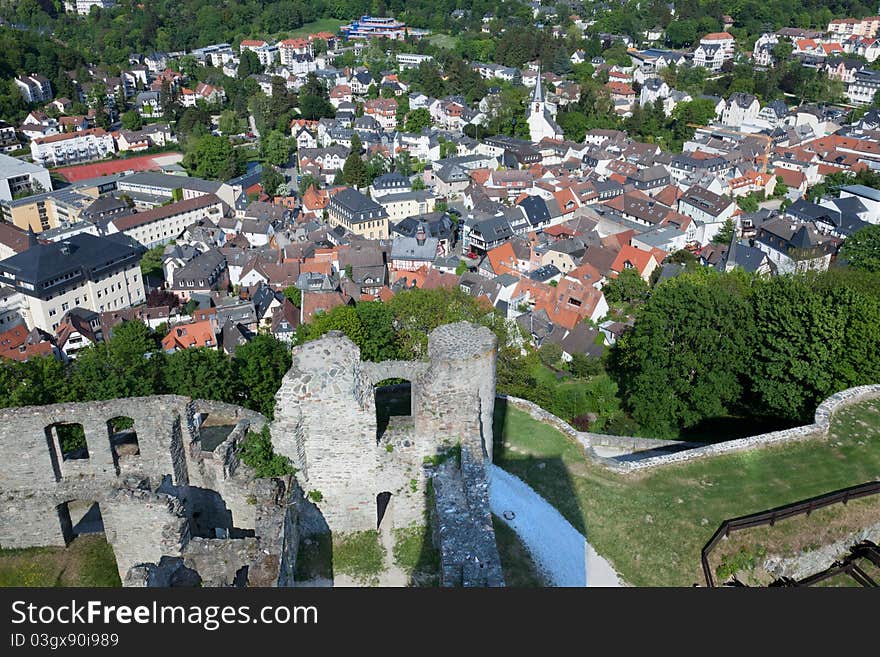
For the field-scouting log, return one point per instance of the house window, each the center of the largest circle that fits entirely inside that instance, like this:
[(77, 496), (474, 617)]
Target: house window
[(65, 306)]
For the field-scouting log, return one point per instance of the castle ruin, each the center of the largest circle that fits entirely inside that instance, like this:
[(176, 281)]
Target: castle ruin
[(178, 510)]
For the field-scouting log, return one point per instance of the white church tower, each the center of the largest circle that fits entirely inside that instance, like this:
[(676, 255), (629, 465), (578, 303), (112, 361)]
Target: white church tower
[(542, 116)]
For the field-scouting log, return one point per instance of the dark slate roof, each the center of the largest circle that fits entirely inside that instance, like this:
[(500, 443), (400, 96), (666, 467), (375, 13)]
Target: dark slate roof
[(545, 273), (862, 190), (536, 210), (437, 224), (392, 180), (360, 206), (67, 263), (493, 228)]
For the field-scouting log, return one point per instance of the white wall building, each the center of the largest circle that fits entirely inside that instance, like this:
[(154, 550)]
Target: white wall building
[(70, 148)]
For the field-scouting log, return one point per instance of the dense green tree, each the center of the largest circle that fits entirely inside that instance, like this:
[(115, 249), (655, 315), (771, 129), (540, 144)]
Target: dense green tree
[(550, 353), (685, 359), (584, 366), (200, 373), (128, 365), (275, 148), (213, 158), (248, 64), (259, 367), (354, 171), (131, 120), (229, 123), (417, 119), (315, 107), (271, 180), (151, 262), (294, 295), (37, 381), (725, 235), (862, 249), (627, 287), (812, 339)]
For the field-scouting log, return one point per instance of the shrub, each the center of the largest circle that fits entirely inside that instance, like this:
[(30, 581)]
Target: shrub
[(256, 451)]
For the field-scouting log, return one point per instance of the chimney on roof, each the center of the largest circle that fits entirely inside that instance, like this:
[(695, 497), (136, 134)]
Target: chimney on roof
[(65, 248), (420, 235)]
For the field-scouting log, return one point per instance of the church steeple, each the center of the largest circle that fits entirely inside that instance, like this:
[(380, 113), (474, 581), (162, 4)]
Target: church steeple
[(538, 96)]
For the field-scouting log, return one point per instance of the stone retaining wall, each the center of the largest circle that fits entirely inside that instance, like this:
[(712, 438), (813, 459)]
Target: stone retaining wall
[(231, 411), (462, 519), (693, 451)]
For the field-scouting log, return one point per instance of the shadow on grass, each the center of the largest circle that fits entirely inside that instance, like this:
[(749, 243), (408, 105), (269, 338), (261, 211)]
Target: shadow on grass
[(548, 474)]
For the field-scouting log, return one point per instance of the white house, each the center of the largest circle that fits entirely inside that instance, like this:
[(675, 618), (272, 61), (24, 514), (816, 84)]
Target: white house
[(714, 49), (740, 108)]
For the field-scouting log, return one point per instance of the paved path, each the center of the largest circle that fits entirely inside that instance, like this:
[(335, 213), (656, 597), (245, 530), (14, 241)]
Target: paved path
[(557, 548)]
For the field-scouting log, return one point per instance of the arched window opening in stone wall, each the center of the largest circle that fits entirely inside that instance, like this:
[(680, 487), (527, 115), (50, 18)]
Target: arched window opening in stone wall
[(67, 443), (394, 408), (123, 442), (79, 517)]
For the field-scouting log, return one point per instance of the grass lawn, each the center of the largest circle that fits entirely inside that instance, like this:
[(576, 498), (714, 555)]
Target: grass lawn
[(415, 553), (88, 561), (516, 563), (652, 526), (321, 25), (443, 41), (359, 555), (744, 551)]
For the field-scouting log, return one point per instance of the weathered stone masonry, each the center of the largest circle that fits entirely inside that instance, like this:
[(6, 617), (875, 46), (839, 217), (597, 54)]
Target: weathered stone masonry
[(326, 423), (169, 501), (176, 514)]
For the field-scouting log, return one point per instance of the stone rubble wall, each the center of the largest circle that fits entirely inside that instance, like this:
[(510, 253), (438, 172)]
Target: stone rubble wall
[(231, 411), (325, 421), (691, 451), (814, 561), (159, 507), (143, 526), (463, 528)]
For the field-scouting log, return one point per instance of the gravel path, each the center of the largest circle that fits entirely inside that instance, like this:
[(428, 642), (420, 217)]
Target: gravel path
[(557, 548)]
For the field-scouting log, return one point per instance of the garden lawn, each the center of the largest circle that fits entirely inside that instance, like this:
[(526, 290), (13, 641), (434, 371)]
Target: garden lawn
[(321, 25), (87, 561), (652, 526), (443, 41)]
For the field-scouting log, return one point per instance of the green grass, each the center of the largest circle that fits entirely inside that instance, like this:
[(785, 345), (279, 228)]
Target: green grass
[(321, 25), (517, 564), (414, 552), (87, 561), (443, 41), (652, 526), (314, 558), (359, 555)]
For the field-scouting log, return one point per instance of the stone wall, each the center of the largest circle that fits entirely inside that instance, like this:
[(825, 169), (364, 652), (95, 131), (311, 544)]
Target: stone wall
[(690, 451), (177, 515), (231, 411), (463, 528), (168, 508), (325, 422)]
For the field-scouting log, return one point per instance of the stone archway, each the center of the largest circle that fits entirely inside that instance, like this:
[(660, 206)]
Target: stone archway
[(394, 406), (383, 501)]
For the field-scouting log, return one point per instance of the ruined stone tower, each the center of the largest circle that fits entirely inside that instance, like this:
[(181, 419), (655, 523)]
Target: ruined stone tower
[(326, 422)]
